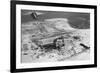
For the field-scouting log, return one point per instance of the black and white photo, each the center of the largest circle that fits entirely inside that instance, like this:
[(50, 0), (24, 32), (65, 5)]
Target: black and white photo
[(50, 36), (53, 36)]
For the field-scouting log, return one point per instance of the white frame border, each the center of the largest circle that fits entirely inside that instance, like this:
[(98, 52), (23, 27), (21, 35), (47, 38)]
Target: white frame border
[(20, 65)]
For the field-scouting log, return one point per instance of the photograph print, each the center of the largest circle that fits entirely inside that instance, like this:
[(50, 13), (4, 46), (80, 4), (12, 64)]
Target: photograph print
[(51, 36)]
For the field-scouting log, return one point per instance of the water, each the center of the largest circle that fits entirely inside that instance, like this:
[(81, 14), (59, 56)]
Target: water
[(76, 20)]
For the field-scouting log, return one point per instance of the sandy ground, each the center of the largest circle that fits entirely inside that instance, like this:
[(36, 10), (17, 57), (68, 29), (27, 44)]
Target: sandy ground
[(31, 56), (82, 56)]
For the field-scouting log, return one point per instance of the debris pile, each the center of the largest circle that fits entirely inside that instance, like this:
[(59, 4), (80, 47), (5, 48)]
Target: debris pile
[(42, 42)]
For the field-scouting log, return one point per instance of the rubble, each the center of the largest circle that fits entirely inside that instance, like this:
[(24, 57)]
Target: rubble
[(53, 46)]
